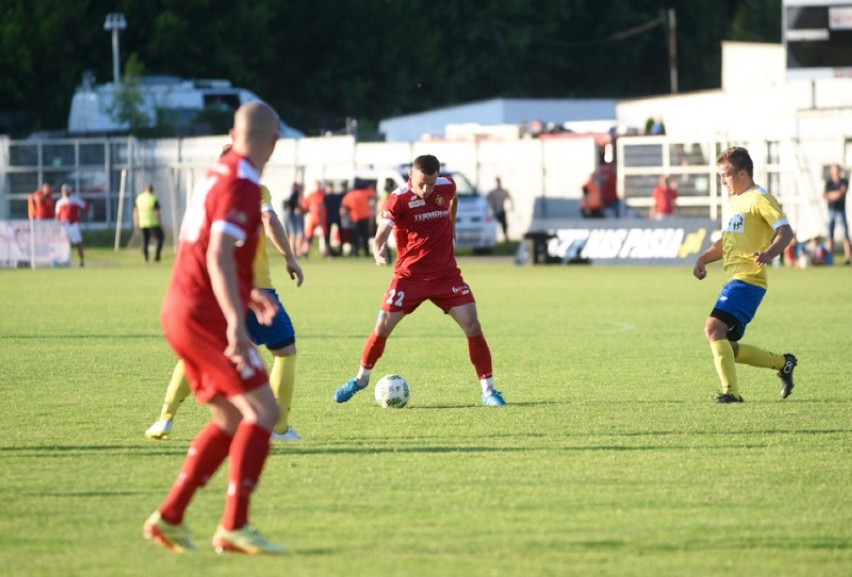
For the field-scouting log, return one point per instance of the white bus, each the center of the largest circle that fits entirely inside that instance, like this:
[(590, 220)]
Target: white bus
[(189, 107)]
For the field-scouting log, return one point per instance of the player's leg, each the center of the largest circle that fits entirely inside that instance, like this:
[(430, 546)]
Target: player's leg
[(207, 452), (177, 391), (373, 351), (160, 238), (282, 379), (280, 338), (249, 449), (784, 364), (716, 332), (146, 238), (467, 318)]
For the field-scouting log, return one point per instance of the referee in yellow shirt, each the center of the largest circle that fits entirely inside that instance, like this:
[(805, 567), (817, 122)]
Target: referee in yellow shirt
[(146, 216)]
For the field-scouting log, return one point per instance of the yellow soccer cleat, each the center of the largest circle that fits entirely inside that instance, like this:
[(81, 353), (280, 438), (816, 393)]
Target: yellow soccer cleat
[(174, 537), (246, 540)]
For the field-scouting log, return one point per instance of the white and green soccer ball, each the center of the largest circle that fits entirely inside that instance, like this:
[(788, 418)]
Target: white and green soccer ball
[(392, 391)]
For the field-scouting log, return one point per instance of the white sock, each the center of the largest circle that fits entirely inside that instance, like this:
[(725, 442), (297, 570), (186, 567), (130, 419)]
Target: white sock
[(363, 376), (487, 385)]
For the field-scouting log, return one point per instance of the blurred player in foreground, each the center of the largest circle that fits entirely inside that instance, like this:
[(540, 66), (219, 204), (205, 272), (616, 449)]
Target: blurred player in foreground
[(279, 337), (757, 232), (422, 214), (204, 319)]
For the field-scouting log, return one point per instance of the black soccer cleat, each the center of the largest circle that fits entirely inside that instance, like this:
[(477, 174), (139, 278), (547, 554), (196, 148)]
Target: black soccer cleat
[(725, 398), (786, 375)]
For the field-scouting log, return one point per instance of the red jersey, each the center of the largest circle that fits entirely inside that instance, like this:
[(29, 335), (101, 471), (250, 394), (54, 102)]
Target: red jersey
[(228, 201), (664, 200), (68, 209), (42, 205), (423, 229)]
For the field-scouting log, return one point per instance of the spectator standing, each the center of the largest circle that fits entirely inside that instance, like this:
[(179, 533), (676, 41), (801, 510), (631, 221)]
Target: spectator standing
[(358, 206), (665, 196), (590, 203), (498, 198), (146, 217), (315, 217), (294, 210), (68, 211), (835, 191), (41, 205)]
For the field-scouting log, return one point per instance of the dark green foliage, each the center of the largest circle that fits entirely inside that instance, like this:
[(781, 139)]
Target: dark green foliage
[(319, 62)]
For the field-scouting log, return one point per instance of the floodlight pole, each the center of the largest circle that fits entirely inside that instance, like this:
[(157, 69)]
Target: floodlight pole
[(672, 38), (114, 23)]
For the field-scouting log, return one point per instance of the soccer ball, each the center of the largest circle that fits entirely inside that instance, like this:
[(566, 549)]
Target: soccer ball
[(392, 391)]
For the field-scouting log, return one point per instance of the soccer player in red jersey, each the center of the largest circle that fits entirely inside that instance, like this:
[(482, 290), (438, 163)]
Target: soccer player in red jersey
[(203, 318), (68, 211), (422, 216)]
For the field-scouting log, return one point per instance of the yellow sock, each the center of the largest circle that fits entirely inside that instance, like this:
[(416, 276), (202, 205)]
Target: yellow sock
[(177, 392), (723, 358), (751, 355), (282, 379)]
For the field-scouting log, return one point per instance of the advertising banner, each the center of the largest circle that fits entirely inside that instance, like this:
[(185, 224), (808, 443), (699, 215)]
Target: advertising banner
[(36, 243), (676, 241)]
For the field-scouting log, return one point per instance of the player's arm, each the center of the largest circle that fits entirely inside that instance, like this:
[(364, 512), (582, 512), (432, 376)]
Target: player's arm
[(222, 267), (783, 236), (454, 207), (383, 232), (712, 254), (278, 235)]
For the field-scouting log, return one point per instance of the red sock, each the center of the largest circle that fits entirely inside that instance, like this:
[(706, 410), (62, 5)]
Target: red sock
[(373, 350), (208, 450), (480, 356), (248, 455)]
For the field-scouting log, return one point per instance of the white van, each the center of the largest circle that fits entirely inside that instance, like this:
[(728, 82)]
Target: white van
[(177, 100), (476, 227)]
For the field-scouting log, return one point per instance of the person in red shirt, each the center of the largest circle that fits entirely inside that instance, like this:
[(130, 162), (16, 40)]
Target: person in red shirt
[(41, 203), (316, 217), (68, 211), (422, 216), (359, 204), (203, 318), (665, 196)]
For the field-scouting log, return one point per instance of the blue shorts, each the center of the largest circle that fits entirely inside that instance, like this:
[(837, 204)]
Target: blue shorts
[(737, 305), (276, 336)]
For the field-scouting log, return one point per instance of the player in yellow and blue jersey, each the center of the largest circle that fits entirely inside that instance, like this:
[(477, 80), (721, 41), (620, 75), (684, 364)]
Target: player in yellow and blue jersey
[(279, 337), (757, 232)]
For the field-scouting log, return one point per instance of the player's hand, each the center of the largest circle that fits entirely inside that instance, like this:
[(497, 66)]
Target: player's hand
[(379, 254), (238, 348), (699, 271), (263, 306), (762, 258), (294, 269)]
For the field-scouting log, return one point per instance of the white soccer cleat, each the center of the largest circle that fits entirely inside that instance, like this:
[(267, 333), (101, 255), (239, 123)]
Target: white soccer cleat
[(159, 430), (289, 435)]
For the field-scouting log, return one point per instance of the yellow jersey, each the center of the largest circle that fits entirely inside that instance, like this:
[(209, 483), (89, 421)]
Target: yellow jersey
[(753, 218), (262, 276)]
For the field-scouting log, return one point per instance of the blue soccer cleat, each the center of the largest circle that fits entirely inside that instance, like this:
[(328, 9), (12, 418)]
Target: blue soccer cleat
[(348, 390), (493, 399)]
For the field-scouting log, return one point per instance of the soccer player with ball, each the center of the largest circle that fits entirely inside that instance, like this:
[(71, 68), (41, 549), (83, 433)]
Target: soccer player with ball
[(422, 216)]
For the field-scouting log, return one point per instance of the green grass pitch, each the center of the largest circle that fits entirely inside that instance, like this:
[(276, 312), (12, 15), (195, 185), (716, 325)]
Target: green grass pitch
[(611, 457)]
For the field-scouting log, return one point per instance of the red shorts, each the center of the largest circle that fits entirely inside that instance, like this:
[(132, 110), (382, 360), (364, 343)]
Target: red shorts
[(208, 370), (406, 294)]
